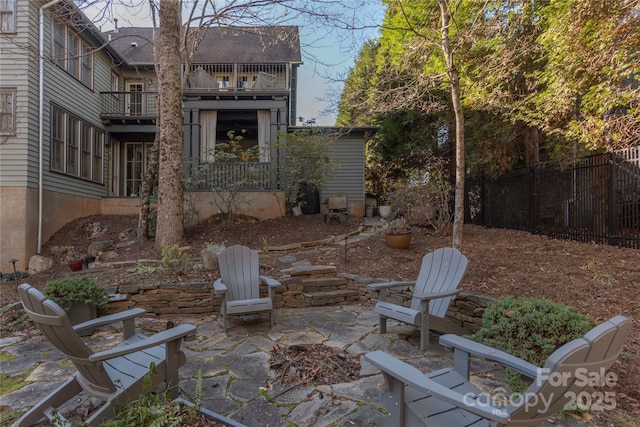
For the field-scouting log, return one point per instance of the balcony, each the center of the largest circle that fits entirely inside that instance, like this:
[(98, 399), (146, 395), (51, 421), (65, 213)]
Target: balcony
[(254, 78), (129, 107)]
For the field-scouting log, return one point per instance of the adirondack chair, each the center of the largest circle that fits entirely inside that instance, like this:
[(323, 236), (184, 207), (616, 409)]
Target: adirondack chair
[(115, 375), (447, 397), (440, 274), (239, 284)]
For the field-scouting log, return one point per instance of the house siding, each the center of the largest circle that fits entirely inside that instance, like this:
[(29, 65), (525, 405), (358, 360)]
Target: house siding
[(348, 179), (17, 51)]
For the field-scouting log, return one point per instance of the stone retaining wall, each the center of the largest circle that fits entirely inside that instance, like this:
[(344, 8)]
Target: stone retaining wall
[(303, 286)]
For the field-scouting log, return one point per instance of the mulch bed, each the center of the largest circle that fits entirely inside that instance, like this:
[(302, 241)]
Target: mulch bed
[(315, 364)]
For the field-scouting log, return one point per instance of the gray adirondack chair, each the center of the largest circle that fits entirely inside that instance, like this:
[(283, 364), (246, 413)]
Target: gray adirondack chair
[(115, 375), (447, 397), (440, 274), (239, 284)]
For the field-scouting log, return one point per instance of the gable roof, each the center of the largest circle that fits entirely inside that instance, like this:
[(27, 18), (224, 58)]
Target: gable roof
[(220, 45)]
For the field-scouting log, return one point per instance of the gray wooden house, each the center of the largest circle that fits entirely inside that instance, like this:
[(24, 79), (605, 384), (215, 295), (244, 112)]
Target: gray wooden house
[(78, 116)]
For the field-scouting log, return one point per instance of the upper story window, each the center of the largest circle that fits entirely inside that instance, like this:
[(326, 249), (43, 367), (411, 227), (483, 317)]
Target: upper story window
[(72, 53), (7, 111), (8, 16), (77, 147)]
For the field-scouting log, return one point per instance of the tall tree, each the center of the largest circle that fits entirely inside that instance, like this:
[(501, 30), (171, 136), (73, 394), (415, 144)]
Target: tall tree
[(447, 12), (417, 67), (170, 191)]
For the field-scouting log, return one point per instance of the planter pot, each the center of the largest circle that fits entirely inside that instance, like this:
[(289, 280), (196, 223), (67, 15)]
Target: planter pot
[(398, 241), (297, 211), (76, 265), (210, 263), (385, 211)]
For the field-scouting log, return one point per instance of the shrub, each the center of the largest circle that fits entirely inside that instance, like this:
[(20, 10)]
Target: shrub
[(530, 329), (171, 256), (68, 291)]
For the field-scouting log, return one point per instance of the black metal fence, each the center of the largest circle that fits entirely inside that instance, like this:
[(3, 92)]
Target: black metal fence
[(597, 199)]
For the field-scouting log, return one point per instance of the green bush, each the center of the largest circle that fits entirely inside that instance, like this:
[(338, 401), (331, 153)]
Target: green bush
[(68, 291), (530, 329), (171, 256)]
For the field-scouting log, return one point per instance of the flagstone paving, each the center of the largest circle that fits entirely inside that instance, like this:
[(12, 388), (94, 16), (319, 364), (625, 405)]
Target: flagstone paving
[(237, 380)]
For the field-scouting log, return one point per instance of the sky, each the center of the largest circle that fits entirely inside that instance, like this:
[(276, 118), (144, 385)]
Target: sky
[(327, 52)]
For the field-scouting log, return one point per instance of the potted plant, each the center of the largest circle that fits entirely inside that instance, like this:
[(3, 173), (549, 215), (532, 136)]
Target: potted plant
[(398, 233), (76, 264), (82, 298), (210, 255), (384, 209)]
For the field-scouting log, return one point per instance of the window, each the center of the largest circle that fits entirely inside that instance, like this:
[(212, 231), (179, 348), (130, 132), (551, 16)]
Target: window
[(58, 43), (77, 147), (7, 111), (8, 16), (73, 138), (71, 53), (86, 143), (115, 82)]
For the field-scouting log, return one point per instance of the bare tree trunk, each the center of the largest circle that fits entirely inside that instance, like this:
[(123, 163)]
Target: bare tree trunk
[(149, 182), (170, 227), (454, 78)]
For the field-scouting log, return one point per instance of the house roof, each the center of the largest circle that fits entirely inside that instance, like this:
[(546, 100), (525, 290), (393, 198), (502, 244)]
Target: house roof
[(219, 46)]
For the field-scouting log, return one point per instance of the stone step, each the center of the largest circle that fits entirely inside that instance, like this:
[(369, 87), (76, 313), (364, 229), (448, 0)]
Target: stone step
[(339, 296), (310, 270), (323, 284)]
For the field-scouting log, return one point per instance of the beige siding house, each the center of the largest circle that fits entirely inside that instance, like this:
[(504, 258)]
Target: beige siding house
[(78, 116)]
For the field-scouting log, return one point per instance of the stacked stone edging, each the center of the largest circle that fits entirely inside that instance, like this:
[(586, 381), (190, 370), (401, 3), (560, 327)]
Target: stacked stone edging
[(302, 286)]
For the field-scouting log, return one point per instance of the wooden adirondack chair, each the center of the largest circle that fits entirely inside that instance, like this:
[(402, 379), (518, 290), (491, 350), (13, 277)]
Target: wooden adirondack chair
[(115, 375), (440, 274), (239, 284), (447, 397)]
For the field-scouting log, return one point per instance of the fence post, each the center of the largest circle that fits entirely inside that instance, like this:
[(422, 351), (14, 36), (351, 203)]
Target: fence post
[(612, 201)]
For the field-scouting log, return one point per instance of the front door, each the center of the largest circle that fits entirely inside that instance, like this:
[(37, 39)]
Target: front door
[(135, 96)]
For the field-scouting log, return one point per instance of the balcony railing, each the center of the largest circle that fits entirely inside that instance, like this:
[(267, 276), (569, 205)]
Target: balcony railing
[(129, 104), (238, 77)]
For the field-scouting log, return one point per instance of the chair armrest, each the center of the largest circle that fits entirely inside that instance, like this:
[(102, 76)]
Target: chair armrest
[(270, 281), (176, 333), (436, 295), (109, 319), (460, 344), (386, 285), (407, 374), (219, 287)]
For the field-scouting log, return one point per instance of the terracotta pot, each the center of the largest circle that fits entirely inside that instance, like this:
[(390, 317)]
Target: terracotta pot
[(76, 265), (398, 241)]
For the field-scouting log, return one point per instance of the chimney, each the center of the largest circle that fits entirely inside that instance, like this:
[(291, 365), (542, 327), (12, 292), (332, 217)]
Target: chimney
[(115, 22)]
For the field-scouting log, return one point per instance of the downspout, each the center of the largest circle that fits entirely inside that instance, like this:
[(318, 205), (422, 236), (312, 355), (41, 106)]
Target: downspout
[(40, 121)]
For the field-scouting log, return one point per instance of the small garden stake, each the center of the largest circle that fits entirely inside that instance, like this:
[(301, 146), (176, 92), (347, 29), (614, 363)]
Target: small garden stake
[(15, 273), (346, 239)]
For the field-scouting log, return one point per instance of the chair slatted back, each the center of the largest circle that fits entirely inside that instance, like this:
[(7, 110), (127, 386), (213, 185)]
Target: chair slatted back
[(240, 272), (573, 369), (442, 271), (54, 324)]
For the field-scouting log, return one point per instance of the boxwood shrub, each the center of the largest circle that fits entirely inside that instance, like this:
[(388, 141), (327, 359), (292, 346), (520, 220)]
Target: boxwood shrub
[(530, 329)]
